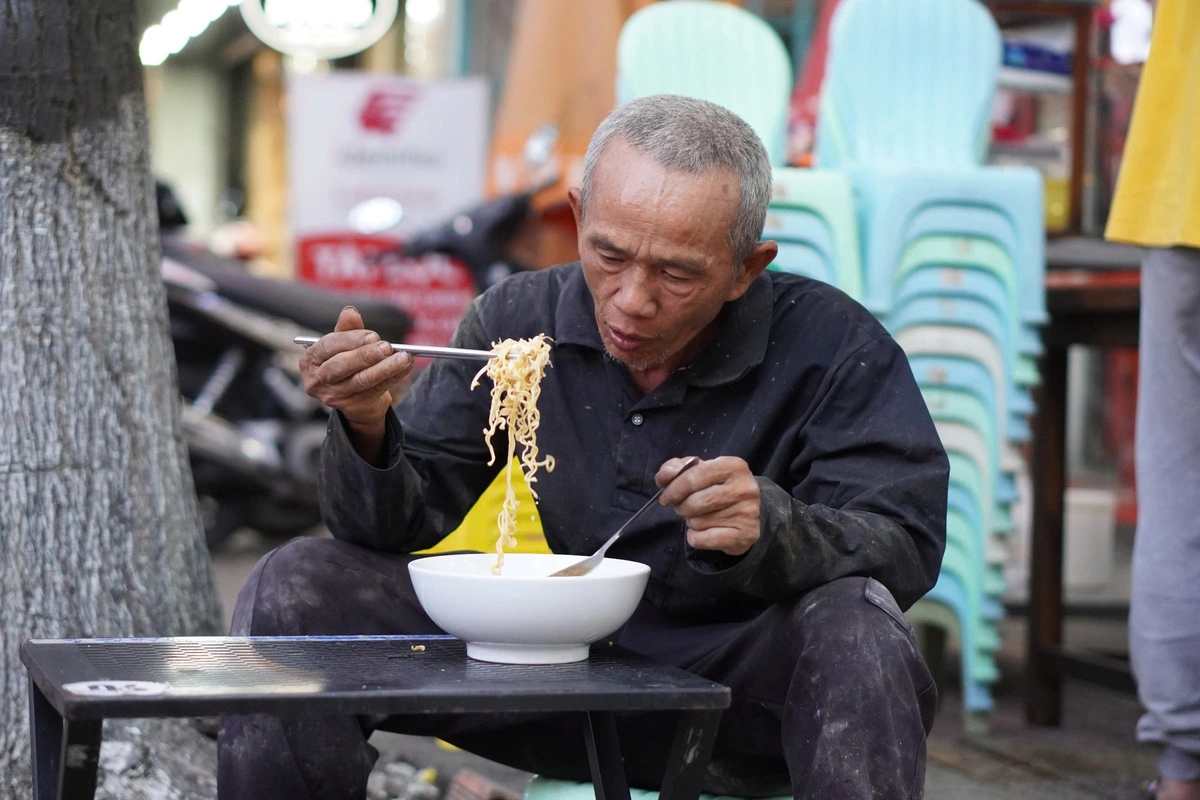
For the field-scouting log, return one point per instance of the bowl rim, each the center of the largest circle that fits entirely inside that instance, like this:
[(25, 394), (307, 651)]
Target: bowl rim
[(637, 568)]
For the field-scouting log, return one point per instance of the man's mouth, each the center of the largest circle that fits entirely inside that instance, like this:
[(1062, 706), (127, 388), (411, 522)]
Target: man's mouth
[(625, 341)]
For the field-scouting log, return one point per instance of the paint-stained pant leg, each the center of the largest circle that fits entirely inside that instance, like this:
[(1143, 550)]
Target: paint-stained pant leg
[(829, 688)]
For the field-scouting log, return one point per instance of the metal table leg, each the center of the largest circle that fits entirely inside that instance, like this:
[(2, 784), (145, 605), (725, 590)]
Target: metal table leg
[(65, 752), (604, 756), (688, 762)]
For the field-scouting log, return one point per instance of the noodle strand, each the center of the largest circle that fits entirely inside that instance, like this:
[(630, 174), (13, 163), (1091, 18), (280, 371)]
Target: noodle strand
[(516, 373)]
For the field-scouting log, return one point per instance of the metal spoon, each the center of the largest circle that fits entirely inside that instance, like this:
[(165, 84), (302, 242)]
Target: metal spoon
[(591, 562)]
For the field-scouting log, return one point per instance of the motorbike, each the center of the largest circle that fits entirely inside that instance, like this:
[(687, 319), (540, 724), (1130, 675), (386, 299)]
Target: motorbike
[(253, 434)]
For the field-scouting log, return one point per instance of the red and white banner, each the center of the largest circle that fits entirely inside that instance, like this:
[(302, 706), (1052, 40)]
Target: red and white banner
[(357, 136)]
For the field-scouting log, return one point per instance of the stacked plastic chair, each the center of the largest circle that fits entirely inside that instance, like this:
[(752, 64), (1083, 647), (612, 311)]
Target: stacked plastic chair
[(721, 53), (953, 257)]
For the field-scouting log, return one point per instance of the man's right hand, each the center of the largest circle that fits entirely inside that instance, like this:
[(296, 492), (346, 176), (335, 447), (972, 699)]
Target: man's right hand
[(354, 371)]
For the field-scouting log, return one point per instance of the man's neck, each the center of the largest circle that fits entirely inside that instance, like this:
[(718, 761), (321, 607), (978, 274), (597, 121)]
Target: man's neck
[(649, 379)]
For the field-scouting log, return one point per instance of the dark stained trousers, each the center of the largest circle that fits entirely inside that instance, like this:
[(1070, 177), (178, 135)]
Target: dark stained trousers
[(830, 694)]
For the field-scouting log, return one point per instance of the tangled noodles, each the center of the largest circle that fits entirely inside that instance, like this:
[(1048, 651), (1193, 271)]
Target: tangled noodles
[(516, 374)]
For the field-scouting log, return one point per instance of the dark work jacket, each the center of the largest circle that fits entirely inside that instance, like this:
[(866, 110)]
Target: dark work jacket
[(802, 382)]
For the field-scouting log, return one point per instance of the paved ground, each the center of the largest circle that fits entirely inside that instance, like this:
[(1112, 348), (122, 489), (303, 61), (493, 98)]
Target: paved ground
[(1092, 755)]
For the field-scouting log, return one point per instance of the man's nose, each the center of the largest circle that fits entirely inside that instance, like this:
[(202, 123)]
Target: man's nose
[(635, 297)]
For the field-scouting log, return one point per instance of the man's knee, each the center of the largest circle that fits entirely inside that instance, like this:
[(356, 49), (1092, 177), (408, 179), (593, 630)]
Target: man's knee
[(302, 588), (853, 637), (857, 623)]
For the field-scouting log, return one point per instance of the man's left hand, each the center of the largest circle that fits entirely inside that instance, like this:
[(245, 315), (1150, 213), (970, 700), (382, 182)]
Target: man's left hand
[(718, 499)]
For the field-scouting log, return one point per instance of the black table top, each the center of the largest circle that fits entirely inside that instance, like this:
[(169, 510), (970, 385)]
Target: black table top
[(216, 676)]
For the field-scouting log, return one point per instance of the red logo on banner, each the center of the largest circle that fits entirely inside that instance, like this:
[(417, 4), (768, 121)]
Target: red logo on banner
[(384, 109)]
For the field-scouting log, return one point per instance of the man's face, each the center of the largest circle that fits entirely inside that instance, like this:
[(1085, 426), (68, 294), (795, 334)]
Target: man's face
[(655, 250)]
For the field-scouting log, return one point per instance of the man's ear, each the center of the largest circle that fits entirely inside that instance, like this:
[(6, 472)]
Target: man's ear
[(761, 256), (574, 197)]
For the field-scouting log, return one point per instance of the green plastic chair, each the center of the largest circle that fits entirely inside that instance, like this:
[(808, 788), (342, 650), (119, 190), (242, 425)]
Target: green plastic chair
[(949, 254), (960, 251), (829, 195), (799, 258), (713, 51)]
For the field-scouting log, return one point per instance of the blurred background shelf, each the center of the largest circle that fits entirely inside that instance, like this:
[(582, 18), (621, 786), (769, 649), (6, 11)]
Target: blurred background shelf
[(1029, 80)]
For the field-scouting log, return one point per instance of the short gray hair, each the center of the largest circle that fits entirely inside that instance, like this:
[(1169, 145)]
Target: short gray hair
[(693, 136)]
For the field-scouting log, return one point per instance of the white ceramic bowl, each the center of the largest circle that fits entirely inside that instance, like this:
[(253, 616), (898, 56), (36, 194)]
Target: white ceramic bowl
[(523, 616)]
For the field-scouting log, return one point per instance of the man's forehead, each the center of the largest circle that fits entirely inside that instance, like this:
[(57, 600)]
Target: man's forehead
[(621, 161)]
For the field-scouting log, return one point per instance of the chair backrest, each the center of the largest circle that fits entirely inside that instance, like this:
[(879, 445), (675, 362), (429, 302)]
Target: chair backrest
[(908, 82), (712, 51)]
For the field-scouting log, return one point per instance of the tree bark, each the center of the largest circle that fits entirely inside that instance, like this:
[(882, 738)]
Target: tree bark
[(99, 530)]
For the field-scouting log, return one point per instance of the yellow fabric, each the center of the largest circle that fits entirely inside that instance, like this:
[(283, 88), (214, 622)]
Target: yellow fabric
[(1157, 202), (479, 529)]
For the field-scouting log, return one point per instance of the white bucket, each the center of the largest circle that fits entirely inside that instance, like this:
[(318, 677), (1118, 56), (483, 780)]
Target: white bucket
[(1089, 535)]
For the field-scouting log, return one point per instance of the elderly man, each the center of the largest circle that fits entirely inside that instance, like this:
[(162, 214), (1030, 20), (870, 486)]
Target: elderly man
[(783, 559)]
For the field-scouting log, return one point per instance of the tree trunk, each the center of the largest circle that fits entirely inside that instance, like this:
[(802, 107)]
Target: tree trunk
[(99, 529)]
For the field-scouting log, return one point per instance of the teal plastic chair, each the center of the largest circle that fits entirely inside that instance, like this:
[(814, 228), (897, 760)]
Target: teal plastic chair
[(966, 475), (967, 313), (890, 197), (1027, 255), (950, 405), (805, 243), (713, 51), (968, 265), (968, 343), (800, 258), (908, 83), (904, 110), (960, 437), (947, 282), (830, 196), (799, 225), (978, 669), (969, 376)]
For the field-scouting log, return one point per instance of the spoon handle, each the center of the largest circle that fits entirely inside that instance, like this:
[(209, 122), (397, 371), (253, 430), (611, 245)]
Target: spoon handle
[(588, 564), (641, 512)]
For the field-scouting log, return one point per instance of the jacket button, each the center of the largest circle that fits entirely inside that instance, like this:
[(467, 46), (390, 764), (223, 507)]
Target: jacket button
[(637, 419)]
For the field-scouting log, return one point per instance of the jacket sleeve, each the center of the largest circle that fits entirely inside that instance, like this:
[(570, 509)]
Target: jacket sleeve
[(868, 493), (435, 462)]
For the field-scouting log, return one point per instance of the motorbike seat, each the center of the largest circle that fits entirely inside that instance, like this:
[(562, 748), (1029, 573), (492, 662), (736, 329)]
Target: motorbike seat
[(310, 306)]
